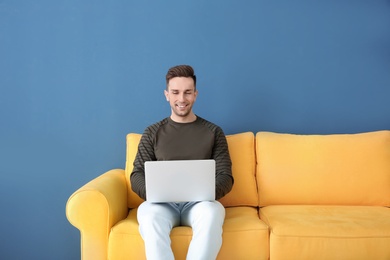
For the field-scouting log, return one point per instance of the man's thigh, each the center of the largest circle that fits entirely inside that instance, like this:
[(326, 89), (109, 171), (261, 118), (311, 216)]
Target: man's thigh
[(158, 212)]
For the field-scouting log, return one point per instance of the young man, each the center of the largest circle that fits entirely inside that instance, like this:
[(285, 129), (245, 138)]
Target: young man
[(182, 136)]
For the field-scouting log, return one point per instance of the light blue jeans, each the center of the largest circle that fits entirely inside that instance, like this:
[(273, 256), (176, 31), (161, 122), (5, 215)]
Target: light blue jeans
[(156, 221)]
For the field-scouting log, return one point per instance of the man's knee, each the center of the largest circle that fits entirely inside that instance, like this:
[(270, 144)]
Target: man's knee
[(210, 212), (153, 213), (212, 207)]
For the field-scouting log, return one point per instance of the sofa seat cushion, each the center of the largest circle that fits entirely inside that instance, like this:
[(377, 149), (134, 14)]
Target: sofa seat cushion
[(245, 237), (328, 232)]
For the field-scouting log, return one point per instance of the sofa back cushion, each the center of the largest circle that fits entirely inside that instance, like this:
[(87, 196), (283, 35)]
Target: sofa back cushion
[(343, 169), (242, 153), (243, 156)]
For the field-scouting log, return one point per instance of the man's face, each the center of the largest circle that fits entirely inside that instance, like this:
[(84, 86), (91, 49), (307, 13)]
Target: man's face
[(181, 95)]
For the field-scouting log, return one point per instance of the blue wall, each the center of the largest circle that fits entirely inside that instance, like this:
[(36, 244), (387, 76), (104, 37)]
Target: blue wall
[(76, 76)]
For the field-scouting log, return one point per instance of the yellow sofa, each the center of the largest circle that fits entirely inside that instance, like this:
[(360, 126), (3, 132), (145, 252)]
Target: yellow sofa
[(294, 197)]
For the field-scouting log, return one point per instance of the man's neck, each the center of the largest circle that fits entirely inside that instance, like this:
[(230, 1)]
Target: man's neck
[(187, 119)]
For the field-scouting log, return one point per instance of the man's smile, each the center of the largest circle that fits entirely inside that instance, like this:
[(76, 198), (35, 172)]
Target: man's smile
[(181, 106)]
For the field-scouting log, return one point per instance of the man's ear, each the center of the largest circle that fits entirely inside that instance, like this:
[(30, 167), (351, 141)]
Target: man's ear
[(166, 95)]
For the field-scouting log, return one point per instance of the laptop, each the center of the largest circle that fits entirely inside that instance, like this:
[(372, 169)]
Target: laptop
[(180, 181)]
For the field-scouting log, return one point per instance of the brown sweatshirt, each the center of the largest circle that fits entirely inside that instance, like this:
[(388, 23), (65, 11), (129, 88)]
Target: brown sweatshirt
[(169, 140)]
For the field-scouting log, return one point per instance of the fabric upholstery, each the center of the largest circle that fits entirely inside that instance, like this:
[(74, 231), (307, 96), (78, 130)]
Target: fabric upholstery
[(345, 169), (95, 208), (242, 154), (328, 232), (245, 236)]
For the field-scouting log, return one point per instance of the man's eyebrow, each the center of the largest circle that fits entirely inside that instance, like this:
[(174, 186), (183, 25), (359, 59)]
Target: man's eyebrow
[(186, 90)]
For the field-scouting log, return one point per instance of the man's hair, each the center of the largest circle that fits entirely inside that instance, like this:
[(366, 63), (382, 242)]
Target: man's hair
[(181, 71)]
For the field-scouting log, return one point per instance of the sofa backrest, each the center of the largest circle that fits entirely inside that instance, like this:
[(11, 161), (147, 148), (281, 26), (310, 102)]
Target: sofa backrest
[(242, 153), (343, 169), (243, 156)]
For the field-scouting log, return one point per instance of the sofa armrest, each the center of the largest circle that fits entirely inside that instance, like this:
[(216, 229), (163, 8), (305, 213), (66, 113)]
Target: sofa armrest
[(95, 208)]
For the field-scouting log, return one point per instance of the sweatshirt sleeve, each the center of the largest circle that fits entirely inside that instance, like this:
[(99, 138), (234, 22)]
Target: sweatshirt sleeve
[(224, 178), (145, 153)]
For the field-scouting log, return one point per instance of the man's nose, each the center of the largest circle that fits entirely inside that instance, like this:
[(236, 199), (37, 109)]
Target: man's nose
[(181, 97)]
